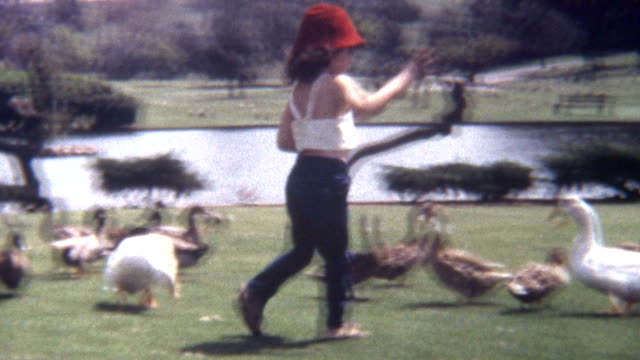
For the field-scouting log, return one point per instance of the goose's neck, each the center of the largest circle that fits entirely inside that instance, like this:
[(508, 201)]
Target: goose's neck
[(590, 231)]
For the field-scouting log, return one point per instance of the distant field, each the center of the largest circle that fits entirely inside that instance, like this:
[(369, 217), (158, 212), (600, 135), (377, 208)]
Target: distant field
[(201, 103), (58, 317)]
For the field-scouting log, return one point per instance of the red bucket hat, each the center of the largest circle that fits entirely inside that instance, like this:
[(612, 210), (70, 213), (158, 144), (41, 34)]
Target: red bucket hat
[(327, 26)]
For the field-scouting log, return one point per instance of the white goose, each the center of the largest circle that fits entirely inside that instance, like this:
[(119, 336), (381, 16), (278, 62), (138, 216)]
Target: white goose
[(609, 270), (140, 263)]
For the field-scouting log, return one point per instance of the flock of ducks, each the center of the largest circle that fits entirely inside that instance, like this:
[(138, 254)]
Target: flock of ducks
[(139, 259), (614, 271), (144, 257)]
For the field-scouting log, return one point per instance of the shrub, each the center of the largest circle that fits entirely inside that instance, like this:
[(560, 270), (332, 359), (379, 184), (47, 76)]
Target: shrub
[(611, 165), (492, 182), (145, 175), (82, 98)]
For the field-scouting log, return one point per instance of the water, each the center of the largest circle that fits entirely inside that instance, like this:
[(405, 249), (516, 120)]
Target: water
[(243, 165)]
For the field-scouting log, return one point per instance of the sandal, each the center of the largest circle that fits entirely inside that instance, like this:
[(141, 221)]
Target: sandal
[(347, 331), (251, 310)]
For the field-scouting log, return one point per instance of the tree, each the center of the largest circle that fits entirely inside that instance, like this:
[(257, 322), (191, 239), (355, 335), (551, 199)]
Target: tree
[(490, 183), (148, 176), (67, 12), (40, 105), (611, 165), (607, 23)]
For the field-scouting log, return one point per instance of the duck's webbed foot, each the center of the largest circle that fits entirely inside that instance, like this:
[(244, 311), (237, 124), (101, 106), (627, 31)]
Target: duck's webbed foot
[(148, 300), (619, 306)]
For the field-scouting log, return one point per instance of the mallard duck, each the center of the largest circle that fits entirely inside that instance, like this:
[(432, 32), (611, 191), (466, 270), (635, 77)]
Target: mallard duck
[(56, 231), (389, 262), (536, 281), (632, 246), (468, 275), (190, 233), (140, 263), (190, 247), (14, 264), (114, 235), (396, 261), (610, 270), (78, 251)]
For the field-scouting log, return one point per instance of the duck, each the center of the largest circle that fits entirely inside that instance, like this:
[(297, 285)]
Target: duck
[(81, 249), (139, 264), (627, 245), (190, 232), (468, 275), (53, 231), (609, 270), (535, 282), (394, 262), (382, 261), (114, 235), (14, 264), (190, 247)]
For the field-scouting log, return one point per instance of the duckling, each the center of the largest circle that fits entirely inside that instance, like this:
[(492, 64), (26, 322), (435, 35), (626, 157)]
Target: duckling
[(536, 281), (140, 263), (466, 274), (14, 264)]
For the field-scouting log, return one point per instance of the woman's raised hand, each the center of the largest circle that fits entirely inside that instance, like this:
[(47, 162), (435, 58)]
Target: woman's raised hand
[(422, 60)]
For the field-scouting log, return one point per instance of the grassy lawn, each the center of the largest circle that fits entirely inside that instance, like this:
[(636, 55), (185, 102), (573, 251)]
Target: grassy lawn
[(59, 317), (202, 103)]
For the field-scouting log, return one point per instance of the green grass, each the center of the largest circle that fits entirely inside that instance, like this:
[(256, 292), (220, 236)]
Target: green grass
[(202, 103), (57, 317)]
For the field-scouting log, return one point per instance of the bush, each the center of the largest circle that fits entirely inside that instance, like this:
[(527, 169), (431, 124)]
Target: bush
[(144, 175), (611, 165), (80, 97), (490, 183)]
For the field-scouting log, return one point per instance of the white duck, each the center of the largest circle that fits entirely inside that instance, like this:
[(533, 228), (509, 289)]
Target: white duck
[(141, 262), (610, 270)]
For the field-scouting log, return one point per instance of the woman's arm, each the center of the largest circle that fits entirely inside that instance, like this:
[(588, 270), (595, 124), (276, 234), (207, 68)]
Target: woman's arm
[(372, 103), (285, 135)]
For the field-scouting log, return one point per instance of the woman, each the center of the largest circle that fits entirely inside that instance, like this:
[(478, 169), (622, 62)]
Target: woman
[(318, 124)]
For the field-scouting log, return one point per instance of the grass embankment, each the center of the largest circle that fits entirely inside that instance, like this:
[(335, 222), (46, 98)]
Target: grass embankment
[(201, 103), (58, 317)]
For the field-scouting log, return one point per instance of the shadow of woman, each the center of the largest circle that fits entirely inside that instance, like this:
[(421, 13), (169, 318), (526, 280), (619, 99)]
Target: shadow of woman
[(242, 345)]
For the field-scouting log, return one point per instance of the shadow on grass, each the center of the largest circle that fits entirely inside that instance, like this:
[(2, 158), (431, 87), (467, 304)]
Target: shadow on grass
[(120, 308), (242, 345), (444, 305), (67, 276), (597, 315), (524, 311), (8, 296)]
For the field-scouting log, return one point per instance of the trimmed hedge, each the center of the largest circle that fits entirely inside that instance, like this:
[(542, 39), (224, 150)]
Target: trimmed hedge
[(492, 182)]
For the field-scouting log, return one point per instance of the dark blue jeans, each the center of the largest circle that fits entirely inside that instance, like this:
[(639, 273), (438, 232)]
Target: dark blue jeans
[(316, 195)]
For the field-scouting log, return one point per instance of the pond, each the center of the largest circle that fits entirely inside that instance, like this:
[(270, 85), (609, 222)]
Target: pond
[(242, 165)]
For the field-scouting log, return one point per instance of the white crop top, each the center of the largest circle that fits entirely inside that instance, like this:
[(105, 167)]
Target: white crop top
[(322, 134)]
